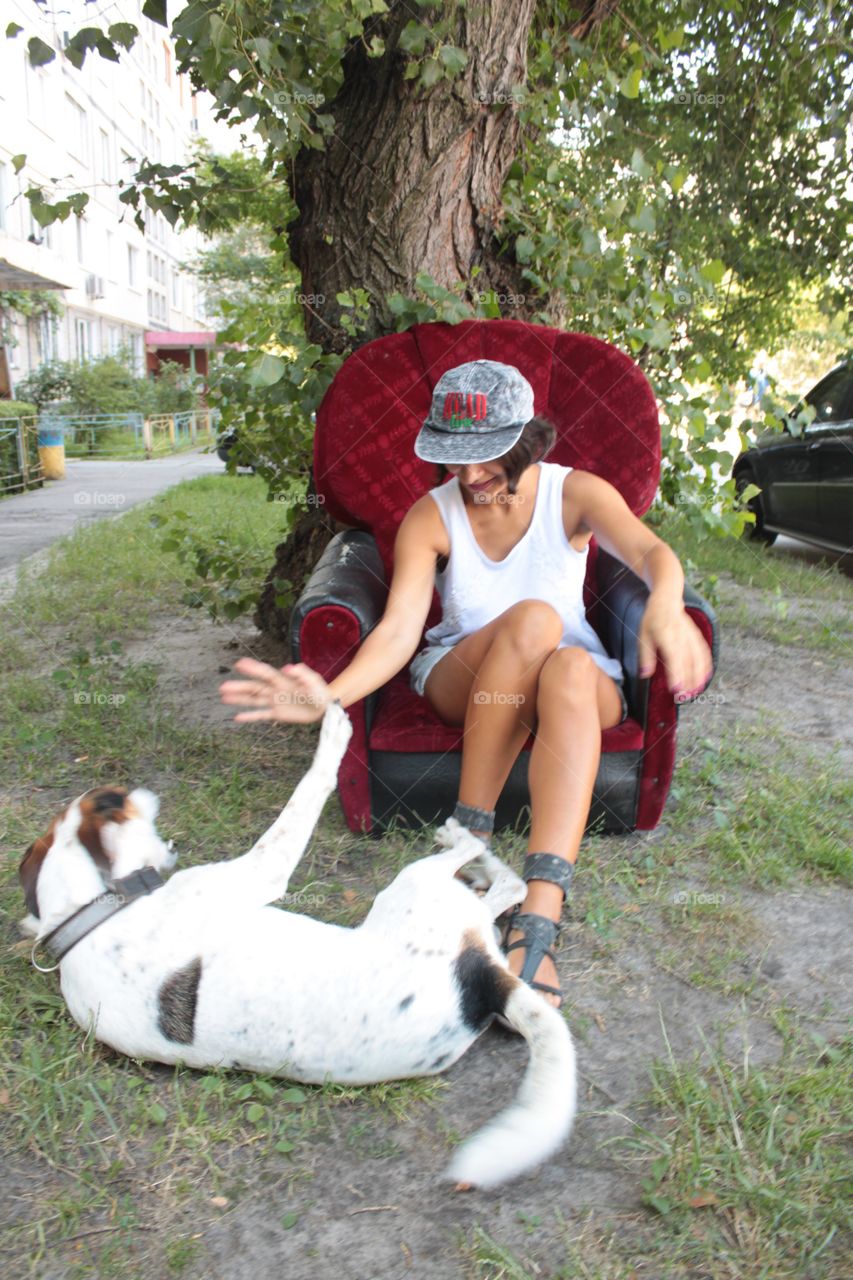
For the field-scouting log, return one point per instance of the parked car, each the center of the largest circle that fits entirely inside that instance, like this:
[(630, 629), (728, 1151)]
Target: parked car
[(806, 479)]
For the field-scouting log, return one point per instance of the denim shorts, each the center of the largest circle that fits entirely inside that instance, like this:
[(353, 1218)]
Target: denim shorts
[(423, 663)]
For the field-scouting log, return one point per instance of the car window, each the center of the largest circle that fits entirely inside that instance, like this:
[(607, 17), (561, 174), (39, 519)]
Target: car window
[(833, 397)]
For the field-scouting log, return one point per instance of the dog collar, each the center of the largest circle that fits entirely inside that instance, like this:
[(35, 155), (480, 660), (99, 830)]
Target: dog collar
[(118, 894)]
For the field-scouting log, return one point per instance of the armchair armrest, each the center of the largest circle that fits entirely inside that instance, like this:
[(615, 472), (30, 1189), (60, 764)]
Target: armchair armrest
[(622, 598), (342, 602)]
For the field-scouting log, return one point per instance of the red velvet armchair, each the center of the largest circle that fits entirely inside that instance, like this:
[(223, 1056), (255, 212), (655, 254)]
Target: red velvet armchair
[(403, 762)]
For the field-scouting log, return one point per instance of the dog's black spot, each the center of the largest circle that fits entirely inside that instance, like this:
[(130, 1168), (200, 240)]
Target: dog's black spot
[(109, 801), (483, 986), (176, 1000), (440, 1035), (439, 1062), (404, 1004)]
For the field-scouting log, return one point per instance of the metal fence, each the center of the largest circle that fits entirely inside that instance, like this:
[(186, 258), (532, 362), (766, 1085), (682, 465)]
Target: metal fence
[(20, 464), (100, 435)]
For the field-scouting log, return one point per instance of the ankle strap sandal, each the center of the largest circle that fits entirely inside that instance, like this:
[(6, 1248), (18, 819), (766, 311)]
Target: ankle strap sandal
[(475, 819), (538, 933)]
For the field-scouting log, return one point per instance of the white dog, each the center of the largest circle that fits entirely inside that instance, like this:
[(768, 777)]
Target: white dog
[(201, 970)]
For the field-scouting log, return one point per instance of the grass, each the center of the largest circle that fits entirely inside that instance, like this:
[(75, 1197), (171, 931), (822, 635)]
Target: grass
[(127, 1156)]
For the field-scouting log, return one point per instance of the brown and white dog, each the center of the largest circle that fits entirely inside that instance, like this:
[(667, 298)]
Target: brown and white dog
[(205, 972)]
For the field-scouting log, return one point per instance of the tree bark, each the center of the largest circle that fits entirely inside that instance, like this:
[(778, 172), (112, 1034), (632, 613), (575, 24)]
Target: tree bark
[(411, 180)]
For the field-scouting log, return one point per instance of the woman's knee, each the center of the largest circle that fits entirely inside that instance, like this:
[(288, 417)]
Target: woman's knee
[(533, 628), (569, 675)]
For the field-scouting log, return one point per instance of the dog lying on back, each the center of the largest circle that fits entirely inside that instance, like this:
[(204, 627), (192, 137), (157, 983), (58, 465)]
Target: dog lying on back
[(202, 970)]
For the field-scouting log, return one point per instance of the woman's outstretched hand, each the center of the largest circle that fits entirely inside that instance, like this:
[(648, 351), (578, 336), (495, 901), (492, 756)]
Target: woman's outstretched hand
[(669, 632), (295, 694)]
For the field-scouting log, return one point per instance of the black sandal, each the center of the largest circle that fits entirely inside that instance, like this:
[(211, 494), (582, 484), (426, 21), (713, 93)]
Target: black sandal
[(538, 932), (476, 820)]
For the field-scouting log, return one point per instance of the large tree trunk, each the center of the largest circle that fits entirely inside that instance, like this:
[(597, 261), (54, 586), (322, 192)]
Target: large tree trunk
[(412, 179), (410, 182)]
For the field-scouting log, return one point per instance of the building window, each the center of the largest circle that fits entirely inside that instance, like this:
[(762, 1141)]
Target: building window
[(131, 266), (80, 129), (167, 63), (81, 238), (3, 182), (106, 167), (82, 339)]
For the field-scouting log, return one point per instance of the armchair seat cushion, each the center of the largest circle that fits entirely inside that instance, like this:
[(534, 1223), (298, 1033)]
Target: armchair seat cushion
[(405, 722)]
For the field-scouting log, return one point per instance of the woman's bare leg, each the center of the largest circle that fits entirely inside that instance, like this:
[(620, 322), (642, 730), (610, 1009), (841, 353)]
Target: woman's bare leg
[(488, 684), (576, 700)]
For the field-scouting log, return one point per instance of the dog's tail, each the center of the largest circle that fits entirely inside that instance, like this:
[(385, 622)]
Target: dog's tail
[(538, 1122)]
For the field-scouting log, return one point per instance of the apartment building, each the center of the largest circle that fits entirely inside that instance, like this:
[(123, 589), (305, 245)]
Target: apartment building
[(90, 128)]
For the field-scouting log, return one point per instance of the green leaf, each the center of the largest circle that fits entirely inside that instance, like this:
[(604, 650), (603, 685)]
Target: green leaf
[(289, 1220), (639, 165), (524, 247), (265, 370), (156, 11), (284, 1147), (12, 30), (430, 73), (454, 59), (713, 271), (157, 1113), (413, 37), (255, 1113), (630, 86), (294, 1095), (345, 299), (123, 33), (39, 52), (18, 162)]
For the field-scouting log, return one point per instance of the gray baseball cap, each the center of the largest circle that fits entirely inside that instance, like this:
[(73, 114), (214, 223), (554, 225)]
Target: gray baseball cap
[(479, 410)]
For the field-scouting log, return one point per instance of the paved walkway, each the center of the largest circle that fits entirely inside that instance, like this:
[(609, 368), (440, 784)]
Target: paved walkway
[(91, 490)]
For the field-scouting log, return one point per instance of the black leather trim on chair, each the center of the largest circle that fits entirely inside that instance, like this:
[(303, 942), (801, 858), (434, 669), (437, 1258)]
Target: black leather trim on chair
[(413, 788), (622, 601), (351, 575), (622, 597)]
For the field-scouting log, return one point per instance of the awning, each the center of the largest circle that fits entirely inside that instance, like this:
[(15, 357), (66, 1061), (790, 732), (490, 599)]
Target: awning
[(13, 276), (168, 338)]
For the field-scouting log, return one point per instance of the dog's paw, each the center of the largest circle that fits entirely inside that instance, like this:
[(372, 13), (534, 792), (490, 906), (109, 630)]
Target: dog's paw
[(450, 833), (30, 926), (335, 733)]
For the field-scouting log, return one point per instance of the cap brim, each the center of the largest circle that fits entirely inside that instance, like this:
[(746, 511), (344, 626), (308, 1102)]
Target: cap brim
[(461, 447)]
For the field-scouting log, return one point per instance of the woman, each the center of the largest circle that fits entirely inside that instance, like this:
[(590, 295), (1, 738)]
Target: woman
[(505, 542)]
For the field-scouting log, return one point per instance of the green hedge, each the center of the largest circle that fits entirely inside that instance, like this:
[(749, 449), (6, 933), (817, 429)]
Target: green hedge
[(17, 409)]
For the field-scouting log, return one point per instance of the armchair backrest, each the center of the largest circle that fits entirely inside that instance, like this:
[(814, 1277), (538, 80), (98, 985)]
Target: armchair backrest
[(599, 400)]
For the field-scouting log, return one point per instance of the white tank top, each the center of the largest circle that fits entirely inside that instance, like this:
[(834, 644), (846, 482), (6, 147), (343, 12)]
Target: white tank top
[(543, 566)]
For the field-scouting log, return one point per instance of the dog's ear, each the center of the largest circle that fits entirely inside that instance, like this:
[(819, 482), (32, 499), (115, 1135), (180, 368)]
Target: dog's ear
[(97, 808), (31, 866)]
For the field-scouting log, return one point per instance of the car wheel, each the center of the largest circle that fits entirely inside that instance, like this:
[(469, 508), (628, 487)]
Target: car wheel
[(755, 532)]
